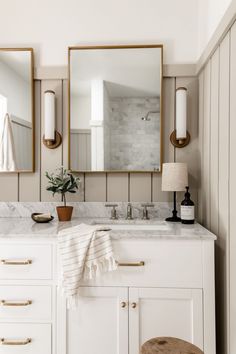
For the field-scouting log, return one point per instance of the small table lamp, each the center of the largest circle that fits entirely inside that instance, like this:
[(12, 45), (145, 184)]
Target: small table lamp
[(174, 179)]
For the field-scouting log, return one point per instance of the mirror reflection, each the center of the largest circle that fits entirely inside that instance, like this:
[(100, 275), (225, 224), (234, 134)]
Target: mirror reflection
[(16, 110), (115, 108)]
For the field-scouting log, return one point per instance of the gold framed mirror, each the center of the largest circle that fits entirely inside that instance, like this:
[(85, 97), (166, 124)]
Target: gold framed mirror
[(17, 121), (115, 108)]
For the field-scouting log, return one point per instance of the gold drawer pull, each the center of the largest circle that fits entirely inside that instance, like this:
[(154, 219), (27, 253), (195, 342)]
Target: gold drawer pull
[(134, 264), (15, 303), (15, 262), (15, 342)]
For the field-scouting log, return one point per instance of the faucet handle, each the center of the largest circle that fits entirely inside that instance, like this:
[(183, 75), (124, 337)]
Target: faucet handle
[(147, 205), (145, 210), (113, 210)]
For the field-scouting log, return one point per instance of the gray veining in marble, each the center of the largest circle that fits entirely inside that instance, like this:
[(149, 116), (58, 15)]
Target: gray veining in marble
[(15, 221), (25, 228), (82, 209)]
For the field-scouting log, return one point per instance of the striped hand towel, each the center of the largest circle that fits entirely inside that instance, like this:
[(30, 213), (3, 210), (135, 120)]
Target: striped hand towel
[(85, 252)]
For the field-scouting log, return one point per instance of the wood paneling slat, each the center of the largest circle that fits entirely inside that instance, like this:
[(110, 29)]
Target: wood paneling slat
[(167, 128), (51, 158), (95, 187), (206, 147), (65, 127), (8, 187), (29, 183), (79, 196), (140, 187), (200, 145), (189, 154), (222, 242), (117, 187), (214, 141), (232, 192)]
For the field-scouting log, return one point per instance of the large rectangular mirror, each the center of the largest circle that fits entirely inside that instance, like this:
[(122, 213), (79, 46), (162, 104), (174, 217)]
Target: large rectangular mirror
[(16, 110), (115, 108)]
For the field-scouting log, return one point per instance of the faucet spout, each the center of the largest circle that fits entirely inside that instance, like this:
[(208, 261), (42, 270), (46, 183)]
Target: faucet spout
[(129, 212)]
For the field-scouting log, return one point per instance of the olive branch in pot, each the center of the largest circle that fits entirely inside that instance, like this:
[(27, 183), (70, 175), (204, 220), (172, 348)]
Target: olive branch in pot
[(62, 182)]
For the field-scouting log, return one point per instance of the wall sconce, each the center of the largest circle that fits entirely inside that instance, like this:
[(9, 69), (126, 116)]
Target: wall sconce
[(180, 137), (51, 138)]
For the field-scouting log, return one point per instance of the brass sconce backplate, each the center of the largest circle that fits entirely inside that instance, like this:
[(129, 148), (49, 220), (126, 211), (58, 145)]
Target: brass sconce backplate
[(179, 143), (53, 144)]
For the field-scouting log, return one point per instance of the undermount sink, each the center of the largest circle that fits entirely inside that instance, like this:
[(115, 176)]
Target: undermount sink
[(138, 227)]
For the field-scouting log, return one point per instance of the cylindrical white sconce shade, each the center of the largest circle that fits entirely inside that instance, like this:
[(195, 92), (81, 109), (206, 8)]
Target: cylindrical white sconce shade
[(181, 113), (51, 138), (49, 115), (174, 176)]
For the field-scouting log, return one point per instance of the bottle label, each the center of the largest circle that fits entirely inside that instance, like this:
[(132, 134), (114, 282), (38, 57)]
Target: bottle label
[(187, 212)]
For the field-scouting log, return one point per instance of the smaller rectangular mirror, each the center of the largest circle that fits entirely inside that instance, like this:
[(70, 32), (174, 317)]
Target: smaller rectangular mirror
[(115, 108), (16, 110)]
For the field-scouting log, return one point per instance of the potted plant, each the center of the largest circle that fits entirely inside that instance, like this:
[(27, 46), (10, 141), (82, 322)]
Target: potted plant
[(63, 182)]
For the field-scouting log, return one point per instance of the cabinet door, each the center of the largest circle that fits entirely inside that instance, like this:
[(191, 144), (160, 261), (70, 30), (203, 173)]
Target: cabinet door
[(100, 322), (155, 312)]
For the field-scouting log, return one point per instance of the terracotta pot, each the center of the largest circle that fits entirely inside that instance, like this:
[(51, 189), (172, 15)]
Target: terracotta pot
[(64, 213)]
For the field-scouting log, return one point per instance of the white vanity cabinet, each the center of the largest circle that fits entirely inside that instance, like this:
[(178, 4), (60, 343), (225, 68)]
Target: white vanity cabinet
[(161, 288), (27, 297), (155, 312), (116, 320), (100, 323), (164, 286)]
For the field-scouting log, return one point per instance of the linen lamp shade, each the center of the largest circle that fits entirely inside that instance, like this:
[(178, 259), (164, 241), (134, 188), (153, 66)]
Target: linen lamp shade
[(174, 177)]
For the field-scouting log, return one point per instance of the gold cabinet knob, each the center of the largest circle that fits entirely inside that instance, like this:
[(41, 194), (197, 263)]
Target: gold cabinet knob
[(133, 305), (123, 304)]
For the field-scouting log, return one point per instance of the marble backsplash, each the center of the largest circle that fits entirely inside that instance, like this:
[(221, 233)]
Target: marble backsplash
[(83, 209)]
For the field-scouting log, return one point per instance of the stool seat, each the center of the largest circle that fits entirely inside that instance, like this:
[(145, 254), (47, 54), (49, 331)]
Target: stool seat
[(169, 345)]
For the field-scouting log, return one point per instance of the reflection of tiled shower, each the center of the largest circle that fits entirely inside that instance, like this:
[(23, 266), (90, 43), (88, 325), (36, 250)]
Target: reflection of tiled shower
[(134, 141)]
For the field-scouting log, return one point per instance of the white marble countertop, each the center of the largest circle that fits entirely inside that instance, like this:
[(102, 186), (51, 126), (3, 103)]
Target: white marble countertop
[(25, 228)]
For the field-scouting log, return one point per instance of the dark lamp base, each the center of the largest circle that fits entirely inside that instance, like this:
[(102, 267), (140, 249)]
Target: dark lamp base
[(173, 219)]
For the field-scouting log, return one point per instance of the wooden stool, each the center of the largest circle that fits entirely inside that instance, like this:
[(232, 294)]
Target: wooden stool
[(168, 345)]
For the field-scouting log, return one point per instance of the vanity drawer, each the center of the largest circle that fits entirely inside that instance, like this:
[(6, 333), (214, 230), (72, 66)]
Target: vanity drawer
[(31, 338), (167, 263), (25, 303), (25, 261)]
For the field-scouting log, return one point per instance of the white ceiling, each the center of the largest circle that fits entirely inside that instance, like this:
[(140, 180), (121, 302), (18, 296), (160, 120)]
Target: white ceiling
[(127, 72), (19, 61)]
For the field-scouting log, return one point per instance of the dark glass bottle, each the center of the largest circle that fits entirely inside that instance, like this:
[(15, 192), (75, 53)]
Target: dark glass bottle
[(187, 209)]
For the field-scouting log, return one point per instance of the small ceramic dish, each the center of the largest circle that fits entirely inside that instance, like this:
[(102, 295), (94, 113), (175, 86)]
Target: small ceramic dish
[(42, 220)]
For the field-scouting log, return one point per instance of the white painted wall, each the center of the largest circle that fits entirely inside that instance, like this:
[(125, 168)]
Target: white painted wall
[(51, 26), (210, 13)]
